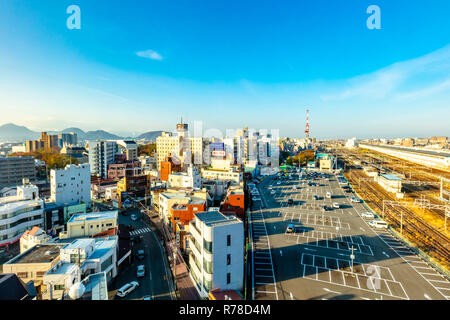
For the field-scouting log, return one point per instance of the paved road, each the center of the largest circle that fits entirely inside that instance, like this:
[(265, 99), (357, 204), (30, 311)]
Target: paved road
[(155, 283), (314, 262)]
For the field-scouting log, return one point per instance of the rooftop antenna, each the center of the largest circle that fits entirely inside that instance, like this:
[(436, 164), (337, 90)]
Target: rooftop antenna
[(307, 124)]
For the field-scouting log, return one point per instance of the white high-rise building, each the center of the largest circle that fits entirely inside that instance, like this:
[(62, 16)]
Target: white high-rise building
[(71, 184), (217, 252), (234, 148), (19, 213), (101, 154)]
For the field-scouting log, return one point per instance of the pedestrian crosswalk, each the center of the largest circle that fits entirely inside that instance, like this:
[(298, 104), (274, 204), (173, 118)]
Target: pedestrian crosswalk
[(139, 231)]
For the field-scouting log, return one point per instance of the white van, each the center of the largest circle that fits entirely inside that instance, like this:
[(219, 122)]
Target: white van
[(378, 224), (328, 195), (126, 289)]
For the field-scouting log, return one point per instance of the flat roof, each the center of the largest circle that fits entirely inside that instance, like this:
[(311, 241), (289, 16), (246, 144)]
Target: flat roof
[(102, 247), (390, 177), (43, 253), (211, 218), (94, 216), (63, 268), (79, 244)]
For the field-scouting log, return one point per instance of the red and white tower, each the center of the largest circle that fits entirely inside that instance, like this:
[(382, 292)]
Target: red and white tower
[(307, 124)]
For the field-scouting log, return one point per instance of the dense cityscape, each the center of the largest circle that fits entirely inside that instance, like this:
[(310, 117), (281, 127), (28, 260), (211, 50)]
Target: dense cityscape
[(182, 152), (185, 217)]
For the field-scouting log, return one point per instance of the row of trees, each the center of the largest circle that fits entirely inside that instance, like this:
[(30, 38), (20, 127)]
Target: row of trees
[(52, 159), (147, 149), (301, 158)]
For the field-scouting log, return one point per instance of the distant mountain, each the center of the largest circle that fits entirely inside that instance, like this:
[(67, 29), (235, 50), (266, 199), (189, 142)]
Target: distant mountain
[(13, 132), (149, 136), (100, 135), (80, 133)]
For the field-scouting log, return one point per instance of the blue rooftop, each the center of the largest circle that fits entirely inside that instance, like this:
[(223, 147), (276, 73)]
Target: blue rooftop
[(390, 177), (94, 216), (102, 247), (78, 244)]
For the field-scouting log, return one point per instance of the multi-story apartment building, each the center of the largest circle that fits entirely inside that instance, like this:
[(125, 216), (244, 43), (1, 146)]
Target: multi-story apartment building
[(14, 169), (67, 139), (71, 184), (19, 213), (189, 179), (179, 146), (89, 224), (129, 148), (101, 154), (50, 141), (217, 252), (222, 170)]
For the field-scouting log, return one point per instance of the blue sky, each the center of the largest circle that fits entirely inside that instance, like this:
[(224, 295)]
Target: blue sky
[(138, 66)]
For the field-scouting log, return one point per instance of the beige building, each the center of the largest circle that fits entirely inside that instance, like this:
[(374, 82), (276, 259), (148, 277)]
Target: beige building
[(32, 264), (390, 182), (89, 224), (33, 237), (180, 146)]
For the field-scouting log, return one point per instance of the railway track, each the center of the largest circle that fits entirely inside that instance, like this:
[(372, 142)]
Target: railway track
[(416, 229)]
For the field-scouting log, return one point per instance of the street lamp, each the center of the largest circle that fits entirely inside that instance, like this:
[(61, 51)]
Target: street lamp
[(352, 257)]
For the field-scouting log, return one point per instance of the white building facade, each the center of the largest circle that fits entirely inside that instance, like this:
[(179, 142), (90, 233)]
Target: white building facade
[(19, 213), (101, 154), (217, 252), (71, 184)]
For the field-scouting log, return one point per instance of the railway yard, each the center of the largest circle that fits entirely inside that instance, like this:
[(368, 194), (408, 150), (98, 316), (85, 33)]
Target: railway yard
[(420, 215)]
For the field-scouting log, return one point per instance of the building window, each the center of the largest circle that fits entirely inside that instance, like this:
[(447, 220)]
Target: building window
[(228, 259), (207, 245), (228, 240), (228, 278)]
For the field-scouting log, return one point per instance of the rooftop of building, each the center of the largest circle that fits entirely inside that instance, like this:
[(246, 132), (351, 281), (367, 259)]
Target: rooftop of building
[(42, 253), (214, 218), (192, 201), (94, 216), (103, 246), (11, 203), (391, 177), (62, 268), (79, 244), (32, 232)]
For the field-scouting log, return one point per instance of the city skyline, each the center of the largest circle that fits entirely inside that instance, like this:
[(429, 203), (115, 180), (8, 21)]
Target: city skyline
[(152, 63)]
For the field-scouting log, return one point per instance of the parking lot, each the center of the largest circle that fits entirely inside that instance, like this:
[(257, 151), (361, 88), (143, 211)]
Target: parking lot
[(314, 261)]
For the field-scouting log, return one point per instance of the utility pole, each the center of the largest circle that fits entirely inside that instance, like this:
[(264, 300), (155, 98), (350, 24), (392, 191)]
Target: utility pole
[(401, 223), (352, 257)]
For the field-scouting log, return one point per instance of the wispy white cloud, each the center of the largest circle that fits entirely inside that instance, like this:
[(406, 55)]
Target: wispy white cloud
[(149, 54), (397, 80)]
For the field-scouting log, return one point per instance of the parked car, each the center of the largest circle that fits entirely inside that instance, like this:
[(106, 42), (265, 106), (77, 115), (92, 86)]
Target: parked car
[(355, 199), (290, 201), (272, 192), (126, 289), (140, 271), (378, 224), (336, 205), (141, 254), (290, 228), (146, 298), (367, 215), (133, 217), (328, 195)]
